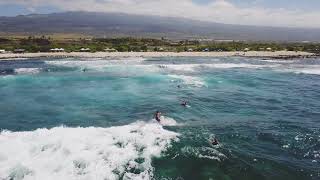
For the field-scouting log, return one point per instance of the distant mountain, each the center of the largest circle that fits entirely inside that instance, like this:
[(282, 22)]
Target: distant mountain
[(118, 24)]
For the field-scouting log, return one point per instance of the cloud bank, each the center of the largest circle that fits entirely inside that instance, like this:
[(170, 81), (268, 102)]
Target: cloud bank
[(222, 11)]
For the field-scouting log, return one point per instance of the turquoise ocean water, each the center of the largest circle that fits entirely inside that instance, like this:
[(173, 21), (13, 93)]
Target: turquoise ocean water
[(92, 118)]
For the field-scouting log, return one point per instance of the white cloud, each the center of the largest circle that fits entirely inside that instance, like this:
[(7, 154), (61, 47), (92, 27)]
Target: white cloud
[(216, 11)]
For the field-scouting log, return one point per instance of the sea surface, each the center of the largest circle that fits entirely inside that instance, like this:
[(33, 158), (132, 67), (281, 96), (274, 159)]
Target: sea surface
[(92, 119)]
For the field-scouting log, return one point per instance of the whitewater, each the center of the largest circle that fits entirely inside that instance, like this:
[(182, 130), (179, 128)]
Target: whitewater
[(83, 153)]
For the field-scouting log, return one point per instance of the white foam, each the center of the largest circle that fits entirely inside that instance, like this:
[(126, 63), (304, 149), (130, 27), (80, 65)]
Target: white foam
[(123, 152), (97, 65), (14, 59), (313, 71), (95, 62), (137, 63), (194, 67), (301, 69), (190, 80), (7, 77), (241, 65), (286, 146), (203, 153), (166, 121), (182, 67), (277, 61), (102, 65), (197, 67), (136, 66), (27, 70)]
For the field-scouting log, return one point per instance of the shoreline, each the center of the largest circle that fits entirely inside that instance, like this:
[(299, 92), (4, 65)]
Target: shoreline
[(250, 54)]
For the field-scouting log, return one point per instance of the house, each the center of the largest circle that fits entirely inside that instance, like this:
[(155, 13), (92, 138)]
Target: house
[(175, 43), (190, 50), (246, 49), (110, 50), (2, 51), (57, 50), (269, 49), (85, 50), (19, 50)]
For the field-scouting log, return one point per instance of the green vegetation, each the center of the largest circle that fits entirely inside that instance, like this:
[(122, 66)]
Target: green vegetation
[(45, 43)]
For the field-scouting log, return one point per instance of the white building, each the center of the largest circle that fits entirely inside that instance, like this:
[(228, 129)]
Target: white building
[(2, 51), (269, 49), (85, 49), (57, 50), (19, 50), (246, 49), (110, 50)]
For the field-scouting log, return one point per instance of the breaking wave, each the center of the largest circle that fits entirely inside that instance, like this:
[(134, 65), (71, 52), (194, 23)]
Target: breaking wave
[(195, 67), (101, 64), (139, 65), (123, 152)]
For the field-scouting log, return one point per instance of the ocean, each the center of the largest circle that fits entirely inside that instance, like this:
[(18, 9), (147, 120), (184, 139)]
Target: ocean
[(92, 119)]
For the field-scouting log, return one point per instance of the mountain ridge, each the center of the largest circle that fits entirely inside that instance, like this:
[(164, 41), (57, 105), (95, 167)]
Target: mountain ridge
[(120, 24)]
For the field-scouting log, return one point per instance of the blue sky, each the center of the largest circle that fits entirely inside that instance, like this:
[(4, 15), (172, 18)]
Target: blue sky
[(287, 13)]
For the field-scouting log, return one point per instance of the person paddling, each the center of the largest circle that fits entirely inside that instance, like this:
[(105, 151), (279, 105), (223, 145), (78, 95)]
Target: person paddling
[(157, 116), (184, 103)]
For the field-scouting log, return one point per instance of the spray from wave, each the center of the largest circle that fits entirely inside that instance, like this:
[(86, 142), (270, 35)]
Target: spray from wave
[(123, 152)]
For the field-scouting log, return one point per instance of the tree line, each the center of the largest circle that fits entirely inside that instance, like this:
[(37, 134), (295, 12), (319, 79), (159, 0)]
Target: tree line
[(127, 44)]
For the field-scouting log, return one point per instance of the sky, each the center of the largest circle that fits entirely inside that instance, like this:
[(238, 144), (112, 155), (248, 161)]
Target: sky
[(283, 13)]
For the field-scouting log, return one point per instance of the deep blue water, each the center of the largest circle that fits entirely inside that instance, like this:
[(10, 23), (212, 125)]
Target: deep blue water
[(265, 113)]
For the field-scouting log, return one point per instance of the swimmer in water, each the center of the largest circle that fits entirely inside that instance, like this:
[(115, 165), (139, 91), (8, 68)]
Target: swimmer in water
[(157, 116), (179, 86)]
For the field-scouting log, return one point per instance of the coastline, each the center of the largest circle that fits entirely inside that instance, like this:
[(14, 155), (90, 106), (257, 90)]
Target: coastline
[(261, 54)]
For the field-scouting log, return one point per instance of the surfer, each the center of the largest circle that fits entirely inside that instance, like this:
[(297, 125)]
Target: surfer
[(214, 141), (157, 116), (184, 103)]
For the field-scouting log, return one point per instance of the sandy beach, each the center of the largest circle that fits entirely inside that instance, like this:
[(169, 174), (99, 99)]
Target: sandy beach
[(263, 54)]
